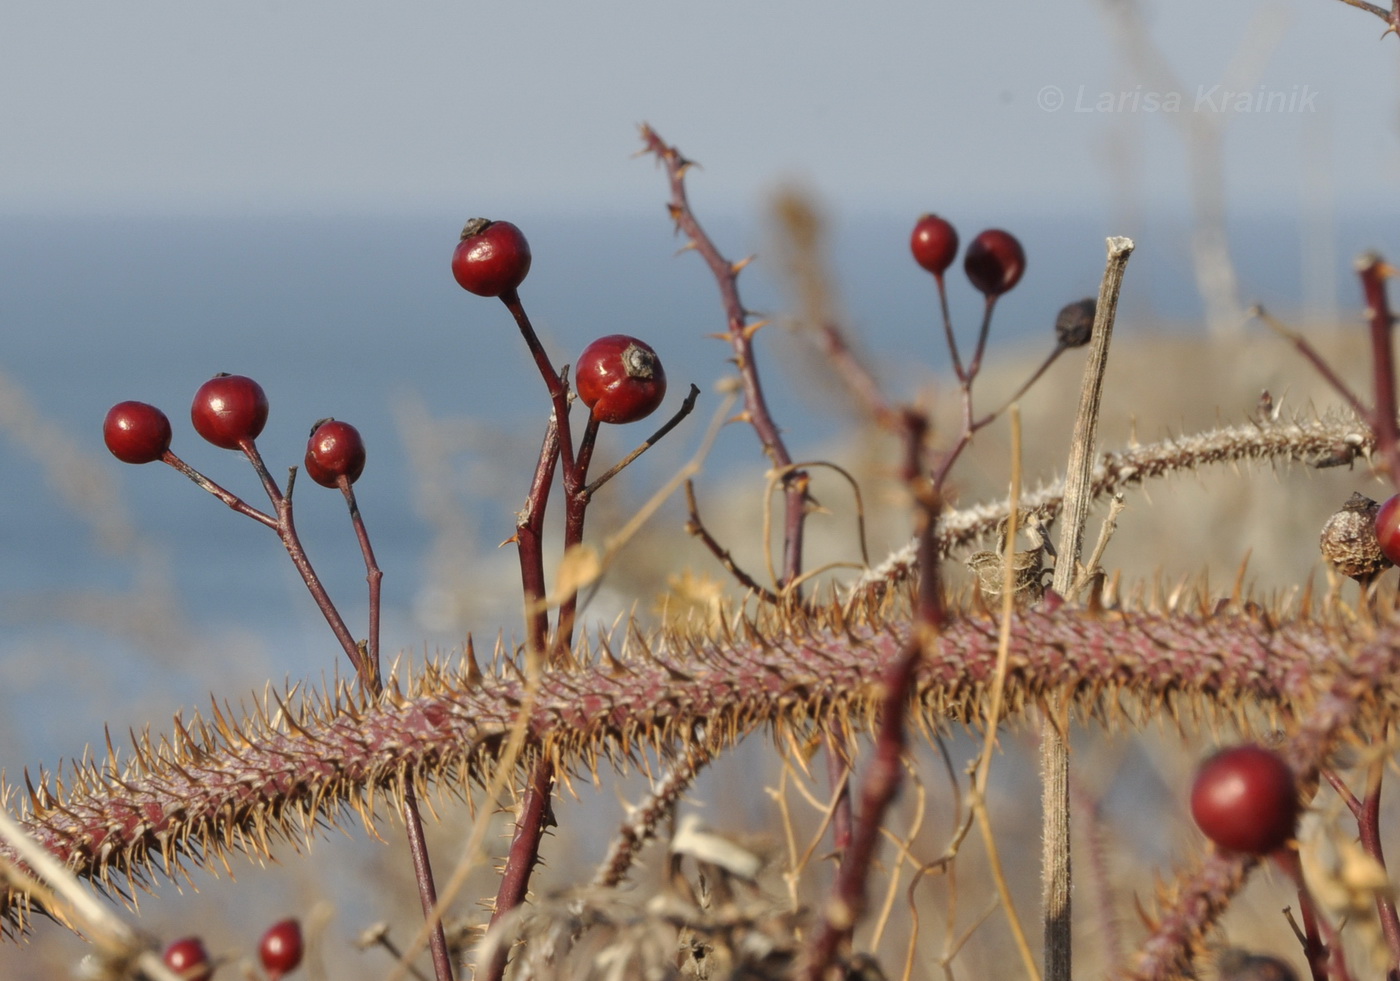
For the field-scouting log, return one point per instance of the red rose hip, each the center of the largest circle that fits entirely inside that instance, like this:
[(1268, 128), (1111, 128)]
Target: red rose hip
[(335, 450), (280, 949), (1245, 799), (228, 409), (1388, 528), (994, 262), (492, 258), (136, 432), (934, 244), (620, 379), (189, 959)]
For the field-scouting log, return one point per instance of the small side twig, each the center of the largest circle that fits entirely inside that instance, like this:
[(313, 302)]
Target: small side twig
[(643, 822), (686, 408), (694, 526), (1391, 16), (1314, 358)]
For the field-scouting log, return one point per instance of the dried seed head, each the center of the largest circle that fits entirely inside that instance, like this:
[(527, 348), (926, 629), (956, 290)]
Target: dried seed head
[(1028, 565), (1074, 324), (1348, 541)]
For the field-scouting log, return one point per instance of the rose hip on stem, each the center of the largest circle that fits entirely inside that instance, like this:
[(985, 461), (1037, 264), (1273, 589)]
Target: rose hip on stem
[(492, 257), (229, 409), (334, 450), (994, 263), (1245, 799), (934, 244), (281, 948), (620, 379), (335, 457), (189, 958), (136, 432)]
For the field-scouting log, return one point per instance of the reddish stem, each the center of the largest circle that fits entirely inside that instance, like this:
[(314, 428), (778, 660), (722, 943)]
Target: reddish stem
[(740, 334), (687, 406), (975, 365), (427, 887), (948, 334), (1314, 950), (553, 380), (228, 497), (372, 682), (846, 904), (575, 511), (1369, 825), (1374, 272), (374, 576), (286, 529), (535, 814), (529, 542)]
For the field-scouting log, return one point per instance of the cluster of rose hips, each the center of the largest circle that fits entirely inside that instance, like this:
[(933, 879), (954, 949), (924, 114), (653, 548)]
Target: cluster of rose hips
[(280, 951), (994, 261), (230, 411), (618, 377)]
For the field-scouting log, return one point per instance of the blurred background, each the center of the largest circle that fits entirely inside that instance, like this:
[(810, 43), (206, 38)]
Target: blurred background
[(275, 188)]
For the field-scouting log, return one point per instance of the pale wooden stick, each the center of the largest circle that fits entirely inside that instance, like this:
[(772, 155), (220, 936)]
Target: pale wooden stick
[(1054, 740)]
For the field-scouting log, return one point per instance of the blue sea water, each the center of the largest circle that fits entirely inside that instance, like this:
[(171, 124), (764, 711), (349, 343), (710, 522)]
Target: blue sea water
[(359, 318)]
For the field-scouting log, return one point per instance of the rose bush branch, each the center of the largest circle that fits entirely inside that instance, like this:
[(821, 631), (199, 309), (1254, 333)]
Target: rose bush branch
[(619, 379), (335, 457), (1391, 16), (740, 333), (228, 785), (230, 411)]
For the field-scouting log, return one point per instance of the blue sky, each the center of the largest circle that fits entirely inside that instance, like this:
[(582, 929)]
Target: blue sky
[(272, 105)]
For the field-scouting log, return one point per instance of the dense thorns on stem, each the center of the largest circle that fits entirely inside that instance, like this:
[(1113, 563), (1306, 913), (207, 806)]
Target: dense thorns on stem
[(1325, 442), (230, 785)]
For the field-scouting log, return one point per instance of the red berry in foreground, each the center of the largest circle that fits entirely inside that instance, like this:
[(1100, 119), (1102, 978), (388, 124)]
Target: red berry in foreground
[(1245, 799), (189, 959), (335, 450), (994, 262), (934, 244), (492, 258), (136, 432), (280, 949), (620, 379), (1388, 529), (229, 408)]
